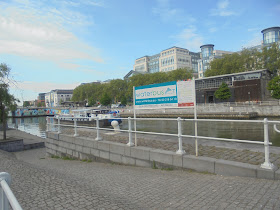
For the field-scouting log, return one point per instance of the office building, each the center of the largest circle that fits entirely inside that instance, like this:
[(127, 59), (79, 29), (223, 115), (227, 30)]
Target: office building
[(167, 60), (208, 54), (54, 98)]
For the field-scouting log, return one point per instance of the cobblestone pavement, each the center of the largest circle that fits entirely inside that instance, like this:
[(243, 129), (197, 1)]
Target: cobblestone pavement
[(40, 182), (244, 155)]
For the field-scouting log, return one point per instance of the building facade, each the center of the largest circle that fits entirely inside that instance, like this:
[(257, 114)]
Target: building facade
[(208, 54), (54, 98), (167, 60), (244, 87)]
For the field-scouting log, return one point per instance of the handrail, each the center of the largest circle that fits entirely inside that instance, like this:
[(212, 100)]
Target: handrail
[(6, 193), (267, 164)]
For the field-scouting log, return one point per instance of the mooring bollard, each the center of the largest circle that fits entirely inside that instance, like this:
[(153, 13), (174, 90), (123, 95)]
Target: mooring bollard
[(116, 126), (180, 151), (129, 133)]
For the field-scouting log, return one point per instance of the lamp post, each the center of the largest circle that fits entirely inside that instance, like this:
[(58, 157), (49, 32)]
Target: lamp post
[(249, 97)]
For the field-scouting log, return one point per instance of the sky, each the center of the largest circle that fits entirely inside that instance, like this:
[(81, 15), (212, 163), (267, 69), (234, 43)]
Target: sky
[(59, 44)]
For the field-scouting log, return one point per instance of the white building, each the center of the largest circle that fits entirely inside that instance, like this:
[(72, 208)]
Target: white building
[(167, 60), (55, 97)]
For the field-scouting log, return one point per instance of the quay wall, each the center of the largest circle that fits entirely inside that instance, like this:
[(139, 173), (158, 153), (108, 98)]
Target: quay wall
[(107, 151), (211, 111)]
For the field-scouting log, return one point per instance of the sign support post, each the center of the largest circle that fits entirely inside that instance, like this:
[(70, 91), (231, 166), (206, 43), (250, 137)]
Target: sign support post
[(134, 116)]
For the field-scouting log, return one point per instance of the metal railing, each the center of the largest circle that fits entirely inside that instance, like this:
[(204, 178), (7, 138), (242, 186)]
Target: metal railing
[(7, 197), (266, 165)]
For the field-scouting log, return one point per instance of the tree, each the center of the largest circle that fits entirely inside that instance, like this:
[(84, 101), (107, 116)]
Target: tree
[(26, 104), (105, 99), (7, 101), (223, 92), (123, 100), (274, 87)]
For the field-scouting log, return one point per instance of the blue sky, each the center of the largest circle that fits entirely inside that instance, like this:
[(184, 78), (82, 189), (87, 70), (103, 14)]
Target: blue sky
[(58, 44)]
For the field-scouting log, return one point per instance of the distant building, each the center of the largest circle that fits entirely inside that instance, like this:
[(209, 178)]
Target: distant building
[(271, 35), (244, 86), (54, 98), (208, 54), (167, 60)]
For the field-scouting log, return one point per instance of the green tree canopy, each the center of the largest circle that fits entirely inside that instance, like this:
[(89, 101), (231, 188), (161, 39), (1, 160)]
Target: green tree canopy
[(105, 99), (223, 92), (274, 87), (7, 101), (118, 88), (26, 104), (246, 60)]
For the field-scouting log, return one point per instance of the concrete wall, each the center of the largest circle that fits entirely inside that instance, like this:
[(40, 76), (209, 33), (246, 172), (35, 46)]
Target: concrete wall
[(85, 148), (262, 110)]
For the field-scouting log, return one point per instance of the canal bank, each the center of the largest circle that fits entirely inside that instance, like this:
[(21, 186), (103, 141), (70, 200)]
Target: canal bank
[(218, 111), (160, 152)]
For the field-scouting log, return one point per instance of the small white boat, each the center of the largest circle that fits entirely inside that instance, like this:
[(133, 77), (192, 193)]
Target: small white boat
[(89, 116)]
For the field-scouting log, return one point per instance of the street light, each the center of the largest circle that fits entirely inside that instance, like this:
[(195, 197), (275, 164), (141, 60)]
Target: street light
[(249, 97)]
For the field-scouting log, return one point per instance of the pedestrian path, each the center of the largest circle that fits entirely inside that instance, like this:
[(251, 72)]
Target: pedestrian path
[(41, 182)]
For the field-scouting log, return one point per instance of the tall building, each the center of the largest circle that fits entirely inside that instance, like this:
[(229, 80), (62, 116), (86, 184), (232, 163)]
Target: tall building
[(208, 54), (271, 35), (167, 60), (55, 97)]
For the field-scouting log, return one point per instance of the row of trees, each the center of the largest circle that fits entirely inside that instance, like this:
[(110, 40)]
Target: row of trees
[(121, 90), (246, 60)]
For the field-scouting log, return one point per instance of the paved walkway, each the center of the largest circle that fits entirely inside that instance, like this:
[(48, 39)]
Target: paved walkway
[(45, 183)]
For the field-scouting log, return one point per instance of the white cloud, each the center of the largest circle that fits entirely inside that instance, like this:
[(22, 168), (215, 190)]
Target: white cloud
[(168, 14), (189, 39), (42, 34), (222, 9)]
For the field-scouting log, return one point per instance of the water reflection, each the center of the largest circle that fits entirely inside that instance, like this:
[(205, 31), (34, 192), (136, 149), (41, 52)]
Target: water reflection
[(236, 130), (33, 125)]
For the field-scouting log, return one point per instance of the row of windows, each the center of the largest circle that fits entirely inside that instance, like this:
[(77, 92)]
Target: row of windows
[(183, 60), (168, 69), (183, 51), (153, 63), (167, 61), (153, 70), (168, 52), (139, 68), (140, 61), (212, 83)]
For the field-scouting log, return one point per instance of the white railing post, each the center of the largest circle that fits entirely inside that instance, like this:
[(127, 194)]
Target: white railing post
[(98, 138), (129, 133), (180, 151), (58, 126), (48, 129), (6, 195), (4, 177), (267, 164), (75, 127)]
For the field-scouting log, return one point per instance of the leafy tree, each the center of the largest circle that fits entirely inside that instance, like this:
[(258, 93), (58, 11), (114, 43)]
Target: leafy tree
[(105, 99), (223, 92), (274, 87), (246, 60), (7, 101), (26, 104), (123, 100)]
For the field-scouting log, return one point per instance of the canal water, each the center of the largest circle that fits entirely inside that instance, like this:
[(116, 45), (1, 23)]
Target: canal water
[(235, 130)]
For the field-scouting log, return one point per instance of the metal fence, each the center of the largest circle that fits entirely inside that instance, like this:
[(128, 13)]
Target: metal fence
[(7, 198), (267, 164)]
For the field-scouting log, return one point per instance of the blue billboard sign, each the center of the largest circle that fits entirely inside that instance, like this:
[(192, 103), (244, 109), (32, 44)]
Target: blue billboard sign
[(165, 95)]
